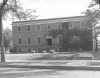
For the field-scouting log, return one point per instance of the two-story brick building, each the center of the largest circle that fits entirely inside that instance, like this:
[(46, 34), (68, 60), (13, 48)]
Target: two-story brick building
[(31, 35)]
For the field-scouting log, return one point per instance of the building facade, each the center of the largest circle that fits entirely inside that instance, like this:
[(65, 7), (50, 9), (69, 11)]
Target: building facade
[(33, 35)]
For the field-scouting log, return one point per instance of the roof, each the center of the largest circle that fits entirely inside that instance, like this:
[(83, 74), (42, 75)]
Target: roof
[(48, 19)]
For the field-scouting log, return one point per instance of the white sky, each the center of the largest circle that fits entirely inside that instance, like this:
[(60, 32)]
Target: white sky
[(54, 8)]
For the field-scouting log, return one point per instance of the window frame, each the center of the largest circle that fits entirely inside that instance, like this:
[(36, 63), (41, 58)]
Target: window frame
[(70, 25), (29, 28), (18, 29), (48, 27), (20, 41), (59, 38), (38, 49), (19, 50), (29, 49), (38, 40), (81, 25), (59, 25), (28, 41), (39, 27)]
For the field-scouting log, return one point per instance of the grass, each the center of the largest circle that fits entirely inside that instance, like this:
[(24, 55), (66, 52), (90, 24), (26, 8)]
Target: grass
[(55, 57), (93, 64)]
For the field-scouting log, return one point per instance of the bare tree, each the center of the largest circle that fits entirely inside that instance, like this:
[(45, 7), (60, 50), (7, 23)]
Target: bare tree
[(14, 8)]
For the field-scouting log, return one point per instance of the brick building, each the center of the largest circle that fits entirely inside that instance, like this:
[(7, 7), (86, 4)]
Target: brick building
[(32, 35)]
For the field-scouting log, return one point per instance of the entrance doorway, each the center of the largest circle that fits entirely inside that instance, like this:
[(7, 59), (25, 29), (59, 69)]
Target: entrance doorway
[(49, 41)]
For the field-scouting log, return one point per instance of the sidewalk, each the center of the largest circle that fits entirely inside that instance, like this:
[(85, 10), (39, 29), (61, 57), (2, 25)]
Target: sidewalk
[(60, 65)]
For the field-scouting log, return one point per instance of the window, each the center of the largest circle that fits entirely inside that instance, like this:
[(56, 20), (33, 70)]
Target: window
[(19, 29), (49, 27), (38, 28), (60, 39), (29, 41), (60, 49), (39, 39), (81, 26), (38, 49), (59, 26), (28, 28), (19, 40), (19, 50), (29, 49), (71, 25)]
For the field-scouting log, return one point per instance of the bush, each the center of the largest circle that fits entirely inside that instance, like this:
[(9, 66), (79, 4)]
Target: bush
[(13, 50)]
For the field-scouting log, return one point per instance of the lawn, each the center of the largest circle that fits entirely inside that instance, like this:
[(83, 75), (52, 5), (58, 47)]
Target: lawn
[(40, 56)]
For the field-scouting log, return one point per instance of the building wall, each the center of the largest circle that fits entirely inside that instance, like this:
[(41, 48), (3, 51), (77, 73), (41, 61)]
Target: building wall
[(33, 34)]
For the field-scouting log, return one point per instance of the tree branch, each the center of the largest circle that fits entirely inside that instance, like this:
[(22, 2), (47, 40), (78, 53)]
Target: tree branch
[(3, 4)]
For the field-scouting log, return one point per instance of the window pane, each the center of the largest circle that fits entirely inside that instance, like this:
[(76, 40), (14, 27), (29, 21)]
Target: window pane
[(19, 50), (19, 29), (49, 27), (60, 38), (59, 26), (29, 49), (38, 27), (28, 28), (39, 40), (29, 40), (19, 40), (71, 25)]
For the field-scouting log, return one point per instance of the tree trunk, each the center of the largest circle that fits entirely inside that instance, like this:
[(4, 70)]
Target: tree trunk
[(1, 40), (96, 45)]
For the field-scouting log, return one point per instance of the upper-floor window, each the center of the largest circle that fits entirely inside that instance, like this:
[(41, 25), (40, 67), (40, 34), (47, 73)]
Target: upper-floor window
[(29, 40), (49, 27), (39, 39), (19, 29), (71, 25), (38, 27), (59, 26), (19, 40), (28, 28), (81, 25)]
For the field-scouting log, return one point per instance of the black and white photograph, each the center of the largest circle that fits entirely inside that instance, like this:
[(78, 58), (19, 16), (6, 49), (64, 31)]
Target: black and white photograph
[(49, 38)]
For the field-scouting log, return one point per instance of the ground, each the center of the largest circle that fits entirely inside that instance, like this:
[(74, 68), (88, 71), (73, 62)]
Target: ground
[(49, 56), (46, 73), (46, 59)]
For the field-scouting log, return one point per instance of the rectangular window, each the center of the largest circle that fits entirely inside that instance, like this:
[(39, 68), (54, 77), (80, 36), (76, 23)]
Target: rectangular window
[(19, 50), (71, 25), (29, 41), (38, 27), (29, 49), (19, 29), (28, 28), (60, 49), (59, 26), (49, 27), (39, 39), (60, 38), (19, 40), (38, 49), (81, 25)]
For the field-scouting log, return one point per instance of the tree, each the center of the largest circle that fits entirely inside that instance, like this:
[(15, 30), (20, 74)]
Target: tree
[(74, 38), (93, 17), (14, 8), (7, 35)]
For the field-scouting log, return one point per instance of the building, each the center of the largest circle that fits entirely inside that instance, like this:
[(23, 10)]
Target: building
[(32, 35)]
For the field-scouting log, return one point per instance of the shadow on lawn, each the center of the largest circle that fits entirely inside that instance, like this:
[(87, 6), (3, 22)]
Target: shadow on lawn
[(55, 57)]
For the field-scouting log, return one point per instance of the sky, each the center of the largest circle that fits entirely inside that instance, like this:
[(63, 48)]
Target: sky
[(53, 8)]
